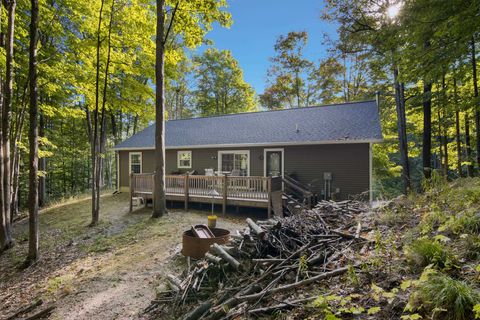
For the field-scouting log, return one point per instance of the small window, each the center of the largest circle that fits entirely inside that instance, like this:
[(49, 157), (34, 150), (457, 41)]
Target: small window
[(135, 162), (184, 159)]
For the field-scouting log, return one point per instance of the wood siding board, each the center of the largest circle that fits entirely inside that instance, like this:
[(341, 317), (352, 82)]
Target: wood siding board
[(347, 163)]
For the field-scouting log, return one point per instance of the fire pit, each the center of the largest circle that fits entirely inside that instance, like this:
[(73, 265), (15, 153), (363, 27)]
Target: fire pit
[(195, 247)]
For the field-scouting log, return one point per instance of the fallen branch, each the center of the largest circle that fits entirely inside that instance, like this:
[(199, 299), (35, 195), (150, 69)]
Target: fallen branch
[(41, 313), (26, 309), (285, 305)]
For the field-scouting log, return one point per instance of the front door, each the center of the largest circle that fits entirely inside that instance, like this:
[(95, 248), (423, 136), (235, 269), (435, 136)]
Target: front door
[(274, 163)]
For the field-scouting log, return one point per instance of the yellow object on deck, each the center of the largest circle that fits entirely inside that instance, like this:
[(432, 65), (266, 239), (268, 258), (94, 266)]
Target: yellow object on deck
[(212, 221)]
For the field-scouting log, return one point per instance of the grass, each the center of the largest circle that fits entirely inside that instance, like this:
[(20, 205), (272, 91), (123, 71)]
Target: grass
[(447, 298), (424, 251), (464, 222), (469, 247)]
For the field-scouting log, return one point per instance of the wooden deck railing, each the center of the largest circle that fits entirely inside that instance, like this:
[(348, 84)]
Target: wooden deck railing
[(223, 189)]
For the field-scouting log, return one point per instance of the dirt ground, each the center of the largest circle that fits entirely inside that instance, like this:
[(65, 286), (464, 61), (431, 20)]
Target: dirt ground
[(107, 272)]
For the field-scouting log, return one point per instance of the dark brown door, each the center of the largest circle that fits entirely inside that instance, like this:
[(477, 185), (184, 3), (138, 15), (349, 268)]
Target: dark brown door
[(274, 163)]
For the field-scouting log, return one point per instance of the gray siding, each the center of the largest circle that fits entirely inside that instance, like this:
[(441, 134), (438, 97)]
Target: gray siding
[(348, 163)]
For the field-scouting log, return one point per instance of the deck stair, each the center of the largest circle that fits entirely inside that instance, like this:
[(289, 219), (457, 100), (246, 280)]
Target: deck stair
[(296, 195)]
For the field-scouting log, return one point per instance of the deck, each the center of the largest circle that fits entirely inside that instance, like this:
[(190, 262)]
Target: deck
[(224, 190)]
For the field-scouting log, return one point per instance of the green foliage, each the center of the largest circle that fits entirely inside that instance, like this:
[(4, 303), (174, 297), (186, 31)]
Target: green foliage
[(470, 246), (333, 306), (352, 276), (294, 81), (476, 310), (221, 88), (424, 251), (464, 222), (446, 297)]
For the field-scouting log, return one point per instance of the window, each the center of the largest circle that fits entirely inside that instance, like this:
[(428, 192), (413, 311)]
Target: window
[(184, 159), (235, 162), (135, 162)]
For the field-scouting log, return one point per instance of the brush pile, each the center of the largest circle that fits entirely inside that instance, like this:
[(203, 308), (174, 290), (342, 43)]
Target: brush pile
[(264, 264)]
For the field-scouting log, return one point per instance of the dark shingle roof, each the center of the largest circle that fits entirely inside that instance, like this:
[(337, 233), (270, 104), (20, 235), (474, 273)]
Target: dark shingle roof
[(355, 122)]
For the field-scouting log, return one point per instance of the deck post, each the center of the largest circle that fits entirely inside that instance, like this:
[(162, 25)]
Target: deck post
[(153, 191), (225, 194), (269, 190), (185, 190), (131, 191)]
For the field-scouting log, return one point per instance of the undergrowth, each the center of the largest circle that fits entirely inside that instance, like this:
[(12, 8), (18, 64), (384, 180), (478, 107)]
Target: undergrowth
[(443, 297), (425, 260), (424, 251)]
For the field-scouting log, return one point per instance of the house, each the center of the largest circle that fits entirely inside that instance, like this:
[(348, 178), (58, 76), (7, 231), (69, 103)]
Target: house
[(328, 148)]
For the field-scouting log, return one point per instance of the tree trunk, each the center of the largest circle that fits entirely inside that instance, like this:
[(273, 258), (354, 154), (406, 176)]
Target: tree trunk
[(427, 130), (444, 126), (7, 108), (440, 141), (42, 166), (468, 147), (6, 240), (95, 143), (16, 152), (159, 202), (402, 131), (33, 253), (457, 129), (475, 92), (135, 123), (297, 86), (103, 122)]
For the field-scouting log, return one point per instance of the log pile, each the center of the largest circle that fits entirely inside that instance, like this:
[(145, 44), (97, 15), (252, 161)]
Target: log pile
[(264, 264)]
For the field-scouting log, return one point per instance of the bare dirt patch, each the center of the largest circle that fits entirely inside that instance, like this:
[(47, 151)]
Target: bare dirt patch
[(107, 272)]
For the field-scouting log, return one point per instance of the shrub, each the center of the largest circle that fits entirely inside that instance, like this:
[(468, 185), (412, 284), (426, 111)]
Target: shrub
[(447, 298), (470, 246), (432, 220), (423, 252), (466, 222)]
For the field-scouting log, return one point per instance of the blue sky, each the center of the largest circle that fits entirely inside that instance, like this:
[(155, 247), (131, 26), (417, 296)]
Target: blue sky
[(258, 23)]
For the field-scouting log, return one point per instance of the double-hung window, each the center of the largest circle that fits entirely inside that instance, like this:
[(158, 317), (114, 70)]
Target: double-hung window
[(184, 159), (135, 162)]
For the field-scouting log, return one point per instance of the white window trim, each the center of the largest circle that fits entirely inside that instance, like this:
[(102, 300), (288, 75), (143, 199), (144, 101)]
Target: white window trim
[(178, 159), (265, 160), (222, 152), (130, 154)]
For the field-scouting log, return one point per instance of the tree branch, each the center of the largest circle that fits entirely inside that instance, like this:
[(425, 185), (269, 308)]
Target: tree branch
[(170, 23)]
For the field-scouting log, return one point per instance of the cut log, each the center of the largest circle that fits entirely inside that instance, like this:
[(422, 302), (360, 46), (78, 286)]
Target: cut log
[(227, 257), (213, 258), (256, 228), (174, 283), (198, 311)]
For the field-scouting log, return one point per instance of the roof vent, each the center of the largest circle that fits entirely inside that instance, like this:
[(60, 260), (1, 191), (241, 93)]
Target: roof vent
[(296, 127)]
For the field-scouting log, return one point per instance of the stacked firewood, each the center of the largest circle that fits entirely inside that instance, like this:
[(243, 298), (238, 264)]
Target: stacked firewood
[(264, 264)]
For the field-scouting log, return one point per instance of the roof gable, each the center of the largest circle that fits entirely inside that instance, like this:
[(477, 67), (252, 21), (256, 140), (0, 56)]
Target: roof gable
[(339, 123)]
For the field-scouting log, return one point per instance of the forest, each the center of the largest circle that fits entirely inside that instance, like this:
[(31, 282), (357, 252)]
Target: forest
[(78, 77)]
